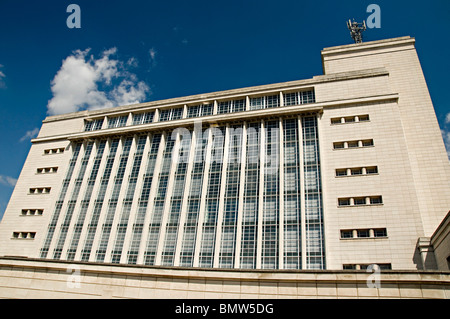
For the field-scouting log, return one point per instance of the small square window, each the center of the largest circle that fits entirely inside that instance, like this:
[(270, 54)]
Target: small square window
[(363, 266), (359, 200), (207, 109), (344, 201), (376, 200), (177, 113), (356, 171), (341, 172), (346, 234), (239, 105), (349, 119), (364, 118), (224, 107), (352, 144), (336, 120), (273, 101), (363, 233), (381, 232), (256, 103), (366, 143), (193, 111), (385, 266), (338, 145), (349, 267), (164, 115), (290, 99)]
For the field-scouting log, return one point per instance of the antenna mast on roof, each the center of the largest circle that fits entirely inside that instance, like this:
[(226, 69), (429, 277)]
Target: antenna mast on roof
[(356, 30)]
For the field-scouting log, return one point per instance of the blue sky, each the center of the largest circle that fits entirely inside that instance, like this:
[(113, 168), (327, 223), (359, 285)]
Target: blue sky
[(127, 51)]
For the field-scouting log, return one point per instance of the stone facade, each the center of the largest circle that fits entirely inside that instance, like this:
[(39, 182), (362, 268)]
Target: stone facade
[(440, 242)]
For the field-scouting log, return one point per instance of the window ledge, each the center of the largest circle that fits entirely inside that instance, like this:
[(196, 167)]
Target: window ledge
[(362, 238), (352, 148), (337, 124), (364, 205), (341, 176)]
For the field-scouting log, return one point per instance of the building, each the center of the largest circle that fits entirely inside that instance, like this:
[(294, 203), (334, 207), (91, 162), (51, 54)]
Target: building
[(329, 174)]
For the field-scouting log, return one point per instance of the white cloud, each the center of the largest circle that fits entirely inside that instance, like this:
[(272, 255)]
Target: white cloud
[(152, 52), (132, 62), (76, 84), (129, 93), (30, 134), (446, 134), (2, 76), (8, 181), (446, 137)]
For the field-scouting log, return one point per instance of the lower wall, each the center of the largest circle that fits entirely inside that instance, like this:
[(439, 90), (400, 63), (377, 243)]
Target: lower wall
[(37, 278)]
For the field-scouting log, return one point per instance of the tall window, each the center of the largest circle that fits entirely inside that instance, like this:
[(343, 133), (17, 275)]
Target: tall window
[(170, 240), (315, 250), (292, 195), (231, 200), (72, 202), (128, 200), (86, 200), (143, 200), (251, 198), (112, 205), (209, 226), (158, 203), (193, 206), (270, 222), (98, 203)]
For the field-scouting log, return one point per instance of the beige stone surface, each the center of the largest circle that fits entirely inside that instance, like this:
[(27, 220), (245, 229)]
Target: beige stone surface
[(37, 278)]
